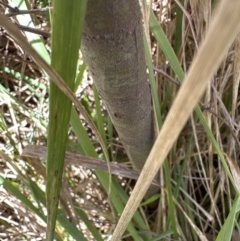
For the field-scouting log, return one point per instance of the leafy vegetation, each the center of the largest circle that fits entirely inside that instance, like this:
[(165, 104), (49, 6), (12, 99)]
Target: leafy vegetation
[(199, 188)]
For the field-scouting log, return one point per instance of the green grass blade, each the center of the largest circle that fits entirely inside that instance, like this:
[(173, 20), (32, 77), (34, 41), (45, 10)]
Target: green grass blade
[(171, 222), (99, 117), (152, 199), (39, 197), (4, 128), (79, 77), (82, 135), (68, 17), (215, 145), (157, 112), (166, 46), (33, 39), (89, 225), (33, 189), (117, 202), (89, 150), (163, 235), (227, 229), (173, 60), (69, 227), (137, 219), (110, 137), (178, 29), (152, 81), (16, 193)]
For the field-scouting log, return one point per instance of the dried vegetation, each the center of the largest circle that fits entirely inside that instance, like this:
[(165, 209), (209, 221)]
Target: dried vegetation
[(205, 195)]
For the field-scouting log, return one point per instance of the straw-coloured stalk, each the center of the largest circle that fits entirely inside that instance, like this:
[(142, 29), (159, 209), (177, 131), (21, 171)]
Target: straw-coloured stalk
[(222, 31)]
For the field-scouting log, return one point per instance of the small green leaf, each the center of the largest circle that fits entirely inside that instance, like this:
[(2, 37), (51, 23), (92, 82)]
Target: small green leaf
[(227, 228), (150, 200)]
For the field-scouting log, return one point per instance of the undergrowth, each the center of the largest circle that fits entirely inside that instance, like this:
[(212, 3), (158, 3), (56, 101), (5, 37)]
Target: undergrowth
[(204, 198)]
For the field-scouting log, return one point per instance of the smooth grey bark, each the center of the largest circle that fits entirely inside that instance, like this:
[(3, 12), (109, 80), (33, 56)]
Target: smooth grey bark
[(113, 49)]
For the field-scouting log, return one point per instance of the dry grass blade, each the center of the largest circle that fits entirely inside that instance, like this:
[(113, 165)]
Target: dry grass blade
[(222, 31), (199, 207), (14, 31), (235, 171), (197, 230), (30, 153)]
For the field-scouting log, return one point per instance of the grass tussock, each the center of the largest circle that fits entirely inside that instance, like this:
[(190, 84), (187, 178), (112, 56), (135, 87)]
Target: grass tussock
[(199, 180)]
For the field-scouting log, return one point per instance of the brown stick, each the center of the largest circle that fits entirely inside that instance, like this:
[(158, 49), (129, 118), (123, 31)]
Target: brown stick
[(40, 152)]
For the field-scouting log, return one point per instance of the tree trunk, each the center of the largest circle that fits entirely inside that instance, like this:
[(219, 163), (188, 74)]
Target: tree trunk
[(113, 49)]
